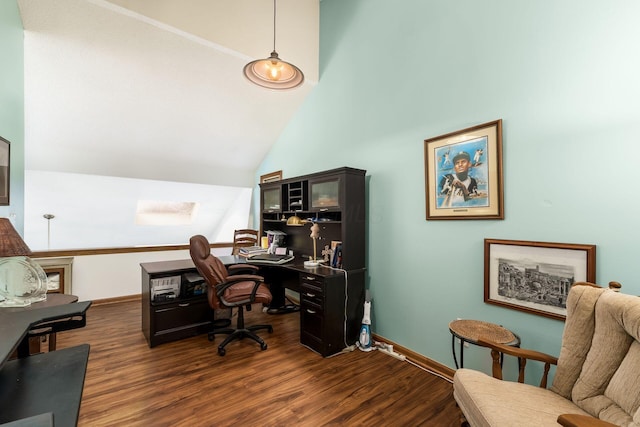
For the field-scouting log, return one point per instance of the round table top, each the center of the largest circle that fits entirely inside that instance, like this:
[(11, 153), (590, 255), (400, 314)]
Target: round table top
[(471, 330)]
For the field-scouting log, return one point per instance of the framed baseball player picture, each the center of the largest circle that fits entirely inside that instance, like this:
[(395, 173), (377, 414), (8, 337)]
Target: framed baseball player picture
[(463, 173)]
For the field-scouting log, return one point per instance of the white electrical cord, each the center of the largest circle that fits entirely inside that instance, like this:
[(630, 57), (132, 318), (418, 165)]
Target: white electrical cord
[(386, 348)]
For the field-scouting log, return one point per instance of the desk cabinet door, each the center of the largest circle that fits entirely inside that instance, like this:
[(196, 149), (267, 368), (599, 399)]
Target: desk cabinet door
[(312, 325), (179, 315)]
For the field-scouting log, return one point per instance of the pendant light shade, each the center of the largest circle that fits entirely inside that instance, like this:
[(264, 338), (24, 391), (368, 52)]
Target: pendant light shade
[(272, 72)]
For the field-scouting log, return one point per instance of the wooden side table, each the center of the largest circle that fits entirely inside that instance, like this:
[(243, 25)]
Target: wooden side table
[(470, 330)]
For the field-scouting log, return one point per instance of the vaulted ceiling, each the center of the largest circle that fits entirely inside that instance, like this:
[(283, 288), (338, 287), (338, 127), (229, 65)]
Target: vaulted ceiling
[(153, 89)]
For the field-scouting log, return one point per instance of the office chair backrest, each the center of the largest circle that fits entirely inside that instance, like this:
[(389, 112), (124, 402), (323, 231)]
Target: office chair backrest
[(210, 267)]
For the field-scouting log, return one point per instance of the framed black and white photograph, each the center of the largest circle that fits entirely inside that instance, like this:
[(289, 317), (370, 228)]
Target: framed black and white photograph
[(463, 173), (535, 277), (4, 171)]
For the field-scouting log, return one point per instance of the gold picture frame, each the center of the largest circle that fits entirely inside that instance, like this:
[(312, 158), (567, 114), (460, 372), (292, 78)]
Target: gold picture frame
[(463, 174)]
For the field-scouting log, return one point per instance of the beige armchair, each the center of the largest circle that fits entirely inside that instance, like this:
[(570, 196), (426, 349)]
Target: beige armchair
[(597, 378)]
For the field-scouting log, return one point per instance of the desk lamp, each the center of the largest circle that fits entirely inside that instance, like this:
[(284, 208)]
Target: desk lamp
[(22, 280), (315, 234)]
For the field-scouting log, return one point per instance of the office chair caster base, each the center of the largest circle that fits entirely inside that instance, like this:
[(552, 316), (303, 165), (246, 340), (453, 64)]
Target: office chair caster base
[(221, 351), (263, 346)]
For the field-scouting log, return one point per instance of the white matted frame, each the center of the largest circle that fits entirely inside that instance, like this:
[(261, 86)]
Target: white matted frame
[(535, 277), (463, 173), (58, 271)]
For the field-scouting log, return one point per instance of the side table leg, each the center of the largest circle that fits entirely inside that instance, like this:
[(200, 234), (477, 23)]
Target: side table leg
[(453, 350), (461, 353)]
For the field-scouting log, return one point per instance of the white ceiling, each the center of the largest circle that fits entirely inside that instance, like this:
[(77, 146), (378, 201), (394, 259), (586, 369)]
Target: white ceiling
[(153, 89)]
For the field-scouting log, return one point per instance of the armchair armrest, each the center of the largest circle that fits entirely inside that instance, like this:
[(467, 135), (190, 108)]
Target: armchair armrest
[(522, 354), (575, 420)]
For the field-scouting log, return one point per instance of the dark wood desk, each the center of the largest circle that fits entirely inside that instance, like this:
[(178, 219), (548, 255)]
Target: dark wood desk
[(326, 295), (45, 383), (35, 334)]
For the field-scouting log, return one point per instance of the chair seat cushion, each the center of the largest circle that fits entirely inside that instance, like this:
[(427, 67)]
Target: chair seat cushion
[(240, 293), (487, 401)]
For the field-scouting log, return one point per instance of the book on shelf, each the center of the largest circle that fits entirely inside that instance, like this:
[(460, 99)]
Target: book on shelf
[(336, 254), (251, 250)]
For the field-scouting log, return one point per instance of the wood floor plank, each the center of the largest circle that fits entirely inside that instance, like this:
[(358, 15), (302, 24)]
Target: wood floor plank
[(186, 383)]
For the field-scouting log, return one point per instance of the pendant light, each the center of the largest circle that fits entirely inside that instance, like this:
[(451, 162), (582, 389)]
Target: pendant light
[(272, 72)]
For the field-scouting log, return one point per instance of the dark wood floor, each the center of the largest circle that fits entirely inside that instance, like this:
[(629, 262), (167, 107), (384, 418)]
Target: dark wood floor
[(185, 383)]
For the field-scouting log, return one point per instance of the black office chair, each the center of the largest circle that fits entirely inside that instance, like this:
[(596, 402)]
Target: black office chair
[(225, 290)]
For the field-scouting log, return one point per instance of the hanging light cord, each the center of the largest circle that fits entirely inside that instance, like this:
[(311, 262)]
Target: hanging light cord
[(274, 25)]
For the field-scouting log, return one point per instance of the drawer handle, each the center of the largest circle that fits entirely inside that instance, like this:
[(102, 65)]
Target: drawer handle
[(310, 278), (311, 311), (185, 304), (310, 295), (324, 209)]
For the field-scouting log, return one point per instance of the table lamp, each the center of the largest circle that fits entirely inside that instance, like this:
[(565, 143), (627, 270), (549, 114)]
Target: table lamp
[(22, 280), (315, 234)]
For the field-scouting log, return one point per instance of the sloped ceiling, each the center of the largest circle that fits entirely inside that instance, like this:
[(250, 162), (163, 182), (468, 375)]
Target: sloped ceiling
[(153, 89)]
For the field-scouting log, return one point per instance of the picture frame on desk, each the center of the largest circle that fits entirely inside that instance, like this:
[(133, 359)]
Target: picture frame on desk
[(463, 174), (535, 277), (56, 279), (59, 273)]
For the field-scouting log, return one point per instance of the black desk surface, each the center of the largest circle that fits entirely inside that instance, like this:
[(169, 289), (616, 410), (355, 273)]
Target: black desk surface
[(43, 383), (46, 382), (15, 323), (183, 265)]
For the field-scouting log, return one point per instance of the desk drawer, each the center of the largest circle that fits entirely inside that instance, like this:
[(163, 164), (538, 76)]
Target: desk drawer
[(311, 281), (311, 296), (178, 315)]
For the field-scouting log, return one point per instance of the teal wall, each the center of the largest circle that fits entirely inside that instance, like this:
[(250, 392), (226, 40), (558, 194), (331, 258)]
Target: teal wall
[(12, 105), (563, 77)]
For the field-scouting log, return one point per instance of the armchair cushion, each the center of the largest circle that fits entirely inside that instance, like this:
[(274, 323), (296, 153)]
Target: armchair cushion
[(608, 385), (487, 401), (598, 370), (576, 338)]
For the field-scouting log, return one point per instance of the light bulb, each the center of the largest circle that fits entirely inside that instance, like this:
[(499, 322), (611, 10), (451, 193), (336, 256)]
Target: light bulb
[(274, 70)]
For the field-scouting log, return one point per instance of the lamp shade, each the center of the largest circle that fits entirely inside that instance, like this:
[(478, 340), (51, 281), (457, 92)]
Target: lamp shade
[(273, 73), (11, 244)]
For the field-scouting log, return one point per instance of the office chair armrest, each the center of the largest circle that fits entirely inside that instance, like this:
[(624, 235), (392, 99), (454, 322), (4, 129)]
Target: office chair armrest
[(242, 269), (235, 278), (232, 280)]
